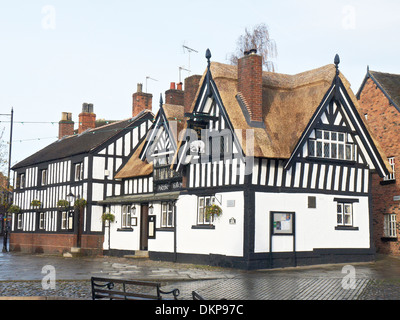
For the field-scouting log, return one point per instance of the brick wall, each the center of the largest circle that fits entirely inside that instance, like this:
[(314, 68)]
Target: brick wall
[(54, 243), (250, 84), (66, 125), (141, 101), (384, 121), (191, 87), (86, 121)]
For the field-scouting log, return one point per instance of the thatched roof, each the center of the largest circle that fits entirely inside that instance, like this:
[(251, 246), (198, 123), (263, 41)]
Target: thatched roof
[(289, 102)]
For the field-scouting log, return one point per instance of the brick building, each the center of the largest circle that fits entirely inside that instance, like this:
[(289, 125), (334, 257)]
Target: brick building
[(379, 99)]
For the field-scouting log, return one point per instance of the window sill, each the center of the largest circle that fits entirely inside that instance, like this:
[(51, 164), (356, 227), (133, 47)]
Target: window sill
[(125, 229), (166, 229), (204, 226), (389, 239), (346, 228), (385, 182)]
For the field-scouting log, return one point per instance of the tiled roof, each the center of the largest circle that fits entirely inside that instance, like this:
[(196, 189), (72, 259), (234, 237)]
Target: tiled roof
[(82, 143)]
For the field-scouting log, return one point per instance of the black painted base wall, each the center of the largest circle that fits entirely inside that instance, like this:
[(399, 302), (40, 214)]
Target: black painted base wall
[(263, 260)]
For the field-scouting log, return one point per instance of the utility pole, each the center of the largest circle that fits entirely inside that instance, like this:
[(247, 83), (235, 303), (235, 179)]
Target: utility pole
[(5, 224)]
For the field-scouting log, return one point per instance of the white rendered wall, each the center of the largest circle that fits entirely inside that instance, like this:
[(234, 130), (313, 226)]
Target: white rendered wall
[(315, 228), (225, 239)]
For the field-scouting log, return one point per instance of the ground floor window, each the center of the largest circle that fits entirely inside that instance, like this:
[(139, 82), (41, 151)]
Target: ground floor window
[(344, 214), (20, 217), (64, 220), (203, 203), (389, 227), (126, 217), (167, 214), (42, 220)]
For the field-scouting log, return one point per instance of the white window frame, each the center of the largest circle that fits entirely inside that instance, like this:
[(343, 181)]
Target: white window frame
[(202, 203), (78, 171), (64, 220), (167, 214), (42, 220), (344, 214), (390, 226), (338, 141), (22, 181), (126, 215), (20, 220), (391, 176), (43, 181)]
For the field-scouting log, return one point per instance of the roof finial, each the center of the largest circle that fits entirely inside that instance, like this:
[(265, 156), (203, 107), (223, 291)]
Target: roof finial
[(208, 57), (337, 61), (161, 100)]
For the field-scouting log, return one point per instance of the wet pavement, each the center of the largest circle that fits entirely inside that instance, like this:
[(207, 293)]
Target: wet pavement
[(25, 275)]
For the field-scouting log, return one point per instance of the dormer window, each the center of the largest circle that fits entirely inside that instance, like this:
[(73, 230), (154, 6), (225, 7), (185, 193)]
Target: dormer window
[(331, 145)]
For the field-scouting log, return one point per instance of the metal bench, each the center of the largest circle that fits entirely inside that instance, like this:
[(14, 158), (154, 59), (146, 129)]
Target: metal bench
[(118, 289), (196, 296)]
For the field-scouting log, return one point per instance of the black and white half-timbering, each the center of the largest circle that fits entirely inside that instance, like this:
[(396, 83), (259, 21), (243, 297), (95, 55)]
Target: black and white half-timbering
[(264, 170), (74, 168)]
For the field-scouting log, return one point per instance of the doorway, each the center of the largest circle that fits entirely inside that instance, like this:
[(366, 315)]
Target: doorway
[(144, 225)]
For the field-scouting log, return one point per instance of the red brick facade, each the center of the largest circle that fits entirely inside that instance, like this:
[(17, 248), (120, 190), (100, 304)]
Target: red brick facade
[(384, 121), (55, 243)]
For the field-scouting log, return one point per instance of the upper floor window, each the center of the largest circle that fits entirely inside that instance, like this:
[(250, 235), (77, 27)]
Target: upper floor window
[(78, 171), (162, 170), (331, 145), (392, 175), (43, 177), (21, 181)]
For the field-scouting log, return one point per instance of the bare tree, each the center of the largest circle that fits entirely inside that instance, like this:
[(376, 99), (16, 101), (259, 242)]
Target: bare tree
[(257, 38)]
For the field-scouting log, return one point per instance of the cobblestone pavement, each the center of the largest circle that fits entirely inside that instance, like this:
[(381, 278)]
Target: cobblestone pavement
[(21, 276)]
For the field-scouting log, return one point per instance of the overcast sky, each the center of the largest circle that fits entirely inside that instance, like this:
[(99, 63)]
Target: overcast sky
[(56, 55)]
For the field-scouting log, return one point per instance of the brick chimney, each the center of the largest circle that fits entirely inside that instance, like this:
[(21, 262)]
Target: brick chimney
[(65, 125), (141, 101), (191, 86), (175, 95), (250, 83), (87, 119)]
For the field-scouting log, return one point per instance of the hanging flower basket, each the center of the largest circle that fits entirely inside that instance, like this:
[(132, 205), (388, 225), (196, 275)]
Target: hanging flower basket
[(63, 203), (36, 203), (80, 203), (107, 216), (14, 209), (213, 211)]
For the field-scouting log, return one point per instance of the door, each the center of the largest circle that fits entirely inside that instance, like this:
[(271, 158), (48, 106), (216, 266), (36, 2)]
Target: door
[(144, 217)]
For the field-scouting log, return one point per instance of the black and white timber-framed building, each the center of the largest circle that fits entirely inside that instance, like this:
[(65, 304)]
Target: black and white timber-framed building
[(78, 166), (287, 158)]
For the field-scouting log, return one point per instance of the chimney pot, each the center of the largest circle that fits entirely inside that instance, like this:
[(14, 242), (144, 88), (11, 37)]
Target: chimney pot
[(65, 125), (87, 119), (139, 87), (172, 86), (179, 86)]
